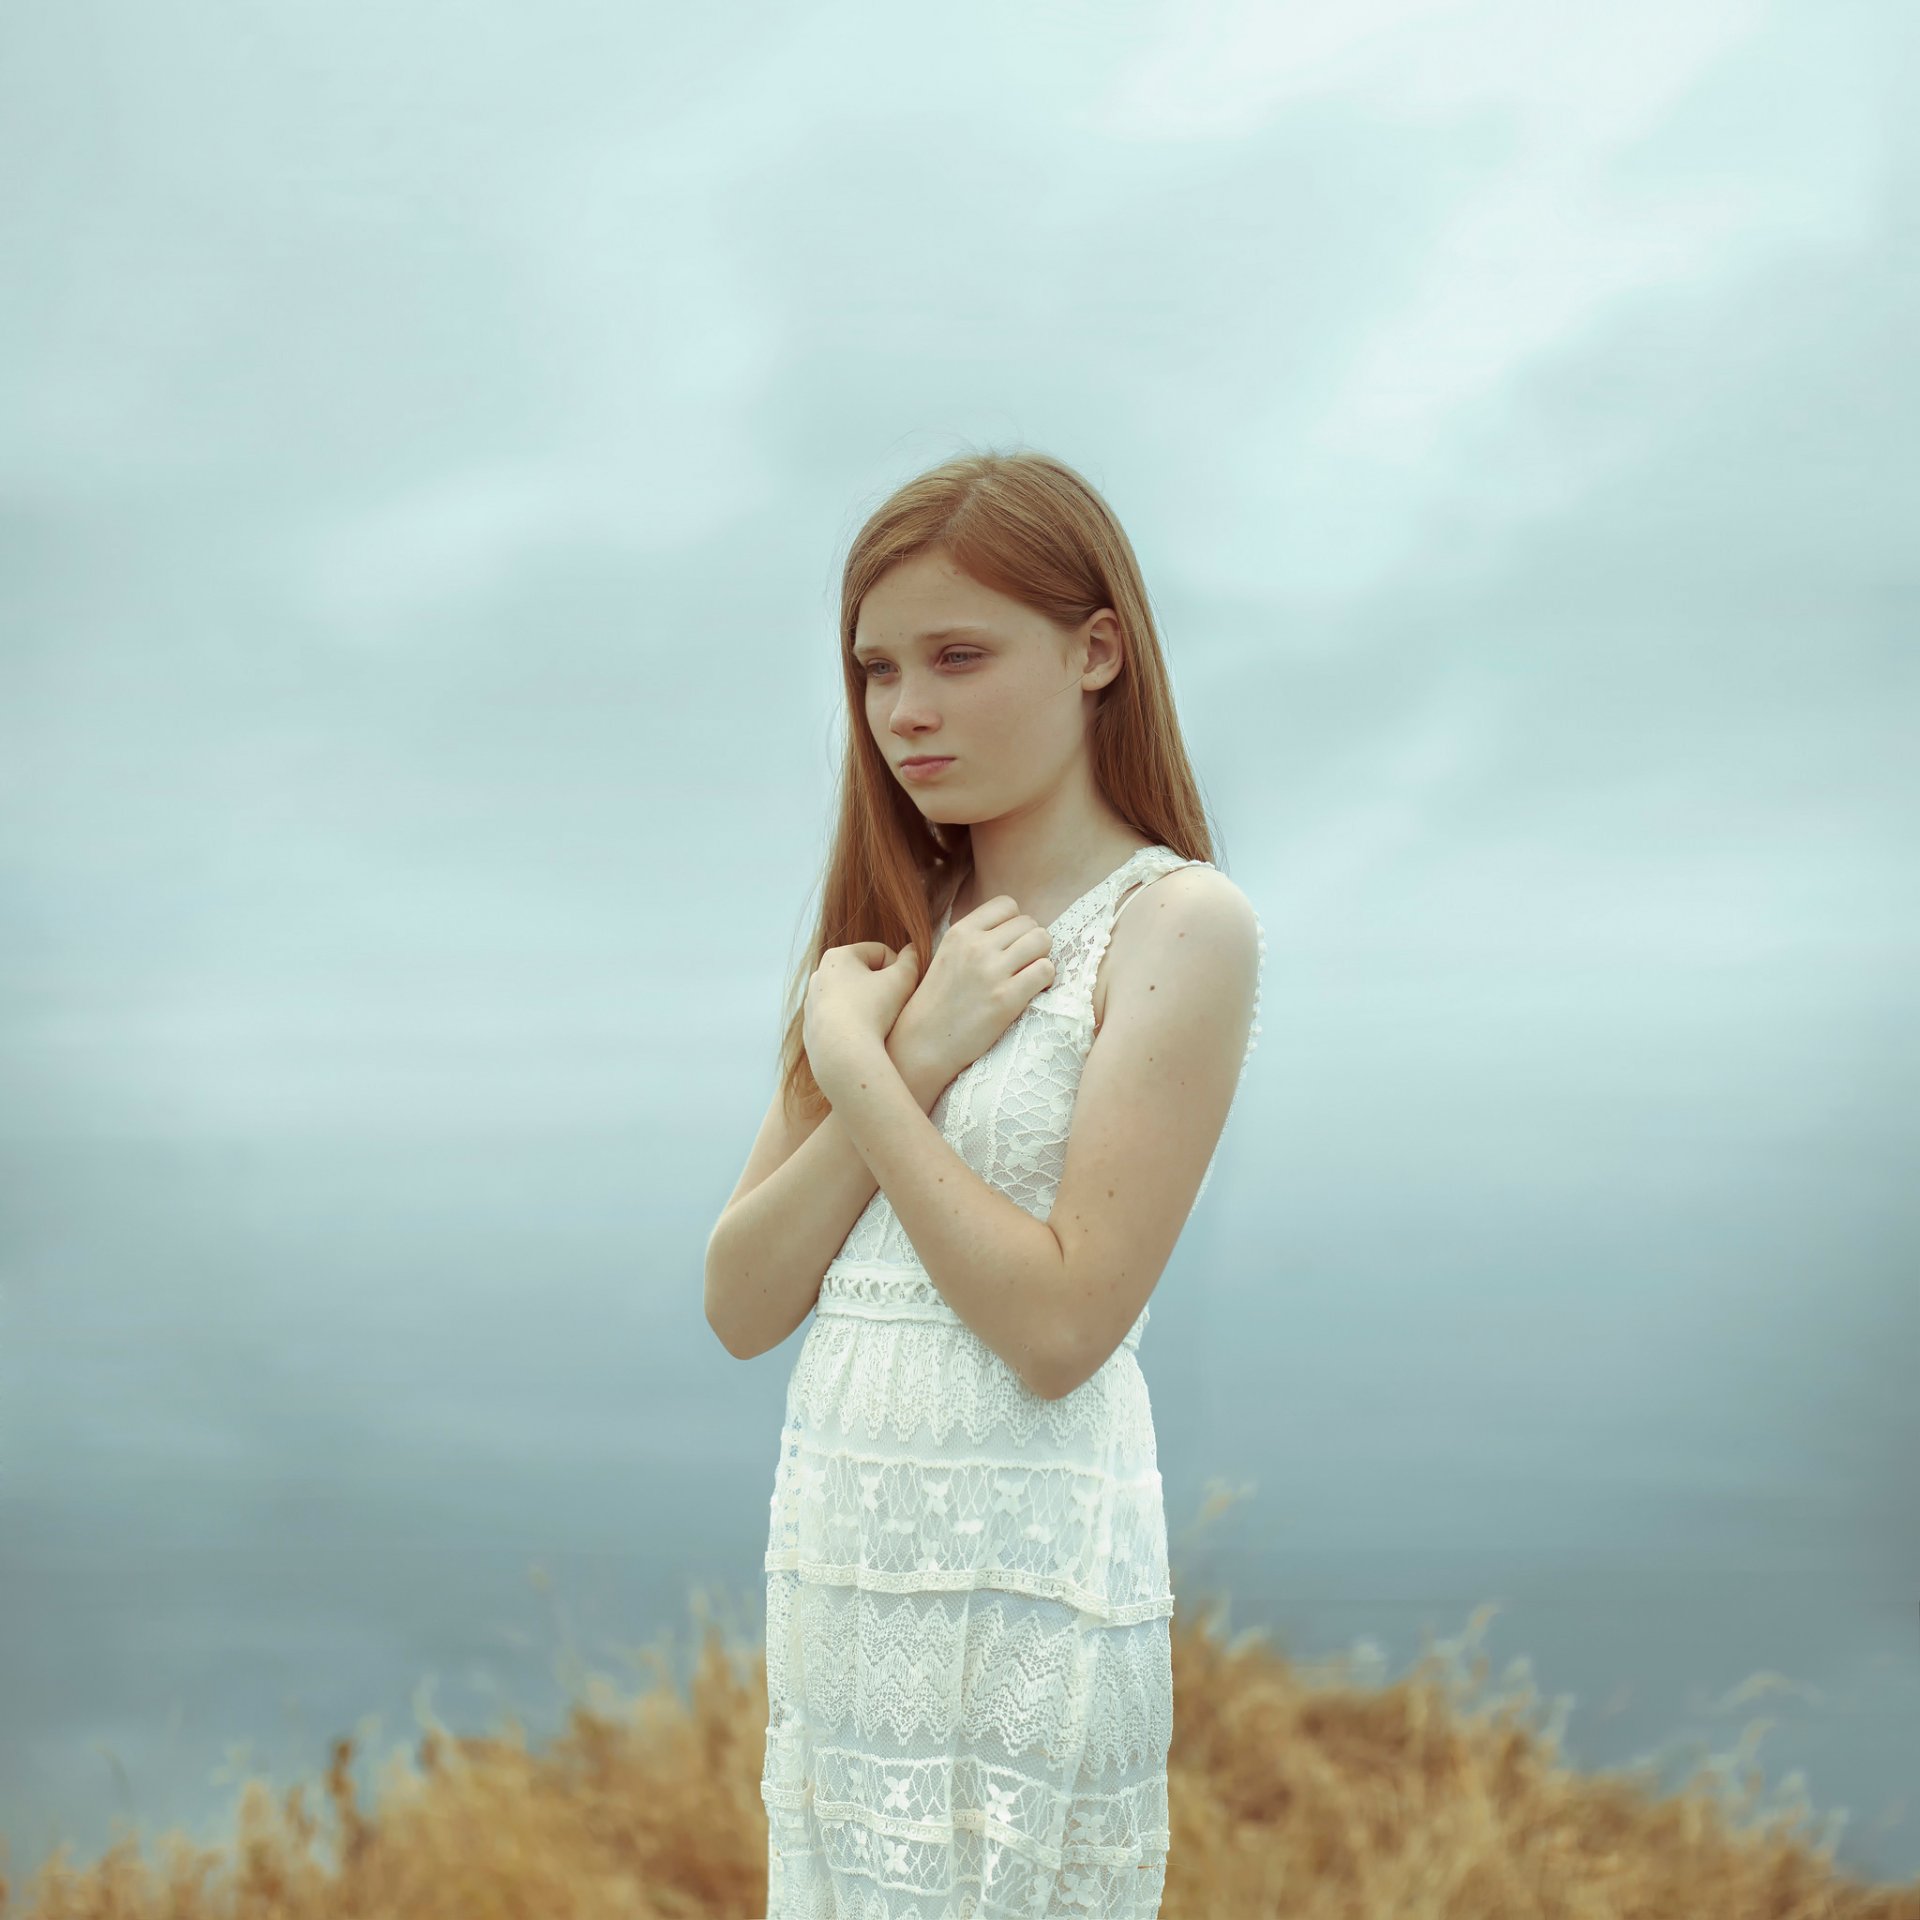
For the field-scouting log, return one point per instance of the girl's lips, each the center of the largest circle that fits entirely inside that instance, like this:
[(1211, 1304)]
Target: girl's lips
[(925, 769)]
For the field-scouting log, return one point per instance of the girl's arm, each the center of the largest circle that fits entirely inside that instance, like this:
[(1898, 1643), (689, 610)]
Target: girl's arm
[(779, 1233)]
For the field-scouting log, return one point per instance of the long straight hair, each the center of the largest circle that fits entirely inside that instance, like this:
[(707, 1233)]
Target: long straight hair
[(1029, 527)]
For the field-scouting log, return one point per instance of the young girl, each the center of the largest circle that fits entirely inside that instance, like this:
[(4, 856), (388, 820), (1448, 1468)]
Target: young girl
[(982, 1151)]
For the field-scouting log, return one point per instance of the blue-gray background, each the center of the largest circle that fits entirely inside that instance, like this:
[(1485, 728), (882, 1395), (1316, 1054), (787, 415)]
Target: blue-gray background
[(427, 445)]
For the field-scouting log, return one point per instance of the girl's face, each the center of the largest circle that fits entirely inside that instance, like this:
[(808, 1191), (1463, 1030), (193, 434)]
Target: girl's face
[(953, 668)]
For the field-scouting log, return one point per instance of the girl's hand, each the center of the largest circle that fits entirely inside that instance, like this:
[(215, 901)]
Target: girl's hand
[(853, 999), (986, 969)]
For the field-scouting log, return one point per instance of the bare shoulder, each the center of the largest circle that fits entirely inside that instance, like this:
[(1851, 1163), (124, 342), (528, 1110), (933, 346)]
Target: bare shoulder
[(1197, 905)]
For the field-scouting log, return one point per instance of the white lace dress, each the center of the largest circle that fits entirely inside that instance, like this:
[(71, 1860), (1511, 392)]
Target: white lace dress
[(969, 1676)]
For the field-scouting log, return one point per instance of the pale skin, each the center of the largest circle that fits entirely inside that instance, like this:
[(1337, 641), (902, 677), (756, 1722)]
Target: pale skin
[(1173, 1000)]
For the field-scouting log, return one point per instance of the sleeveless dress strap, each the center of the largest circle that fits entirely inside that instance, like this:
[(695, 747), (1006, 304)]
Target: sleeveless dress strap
[(1146, 866)]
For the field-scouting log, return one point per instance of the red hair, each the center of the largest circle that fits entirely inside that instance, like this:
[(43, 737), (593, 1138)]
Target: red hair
[(1027, 526)]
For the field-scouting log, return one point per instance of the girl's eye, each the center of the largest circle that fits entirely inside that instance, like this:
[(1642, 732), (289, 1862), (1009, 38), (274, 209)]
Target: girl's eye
[(952, 653)]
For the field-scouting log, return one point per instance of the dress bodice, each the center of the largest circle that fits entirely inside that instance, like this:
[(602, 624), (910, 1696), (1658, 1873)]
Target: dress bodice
[(1007, 1115)]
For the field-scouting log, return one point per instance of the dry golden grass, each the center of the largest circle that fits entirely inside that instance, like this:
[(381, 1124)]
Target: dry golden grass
[(1296, 1792)]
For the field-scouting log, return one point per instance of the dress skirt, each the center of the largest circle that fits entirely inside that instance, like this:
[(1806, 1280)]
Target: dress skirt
[(969, 1672)]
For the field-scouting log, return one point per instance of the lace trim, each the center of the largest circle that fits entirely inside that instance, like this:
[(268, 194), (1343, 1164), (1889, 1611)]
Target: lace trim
[(1018, 1580), (1091, 1705), (1075, 914), (980, 1873), (1080, 1524), (908, 1379), (896, 1798), (875, 1290), (854, 1813)]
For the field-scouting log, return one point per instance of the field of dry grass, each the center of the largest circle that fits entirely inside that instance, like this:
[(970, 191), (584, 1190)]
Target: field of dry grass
[(1296, 1791)]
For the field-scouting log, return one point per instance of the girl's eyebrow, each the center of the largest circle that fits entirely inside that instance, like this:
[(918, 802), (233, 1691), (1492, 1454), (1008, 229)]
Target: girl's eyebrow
[(938, 633)]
